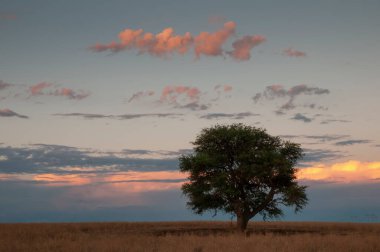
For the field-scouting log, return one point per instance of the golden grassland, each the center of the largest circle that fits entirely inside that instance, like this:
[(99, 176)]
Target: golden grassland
[(190, 236)]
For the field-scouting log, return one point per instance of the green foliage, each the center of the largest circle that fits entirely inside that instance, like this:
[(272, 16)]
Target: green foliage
[(242, 170)]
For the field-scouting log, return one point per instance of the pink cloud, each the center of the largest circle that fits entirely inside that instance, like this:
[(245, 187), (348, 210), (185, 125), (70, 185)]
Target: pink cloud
[(293, 53), (171, 93), (70, 94), (39, 87), (227, 88), (243, 46), (210, 44), (167, 43), (49, 89)]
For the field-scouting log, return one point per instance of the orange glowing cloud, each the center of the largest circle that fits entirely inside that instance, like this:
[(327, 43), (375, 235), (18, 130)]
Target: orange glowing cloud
[(167, 43), (132, 181), (346, 172), (63, 179), (210, 44)]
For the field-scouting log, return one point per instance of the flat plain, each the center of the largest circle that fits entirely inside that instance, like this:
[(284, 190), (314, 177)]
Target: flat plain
[(190, 236)]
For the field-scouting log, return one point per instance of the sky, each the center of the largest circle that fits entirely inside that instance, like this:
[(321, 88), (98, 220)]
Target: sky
[(98, 99)]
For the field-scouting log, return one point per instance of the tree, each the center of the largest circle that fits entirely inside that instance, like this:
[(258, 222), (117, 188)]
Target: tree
[(244, 171)]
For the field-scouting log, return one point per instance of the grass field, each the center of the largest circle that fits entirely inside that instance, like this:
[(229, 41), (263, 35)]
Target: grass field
[(190, 236)]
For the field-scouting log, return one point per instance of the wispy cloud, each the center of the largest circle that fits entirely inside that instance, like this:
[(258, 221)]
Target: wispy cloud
[(290, 52), (140, 94), (4, 85), (167, 43), (49, 89), (320, 155), (301, 117), (10, 113), (120, 117), (319, 138), (327, 121), (236, 116), (278, 91), (352, 142)]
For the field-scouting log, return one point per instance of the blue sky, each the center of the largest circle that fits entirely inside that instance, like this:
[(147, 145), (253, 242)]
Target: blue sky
[(98, 99)]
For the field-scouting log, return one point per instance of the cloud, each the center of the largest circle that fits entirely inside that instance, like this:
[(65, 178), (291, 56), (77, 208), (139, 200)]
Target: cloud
[(319, 138), (49, 89), (352, 142), (278, 91), (167, 43), (320, 155), (290, 52), (210, 44), (58, 159), (140, 94), (10, 113), (301, 117), (4, 85), (327, 121), (39, 87), (243, 115), (183, 97), (243, 46), (120, 117), (352, 171)]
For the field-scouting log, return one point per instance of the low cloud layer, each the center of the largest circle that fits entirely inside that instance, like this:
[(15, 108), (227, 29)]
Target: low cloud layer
[(352, 171), (167, 43), (4, 85), (10, 113), (279, 92)]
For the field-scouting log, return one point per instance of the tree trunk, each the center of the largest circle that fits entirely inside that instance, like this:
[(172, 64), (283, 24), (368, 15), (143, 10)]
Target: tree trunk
[(242, 222)]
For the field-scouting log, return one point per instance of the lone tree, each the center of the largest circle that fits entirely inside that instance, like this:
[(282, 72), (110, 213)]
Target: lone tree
[(244, 171)]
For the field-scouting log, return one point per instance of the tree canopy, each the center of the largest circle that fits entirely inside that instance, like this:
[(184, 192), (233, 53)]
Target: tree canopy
[(244, 171)]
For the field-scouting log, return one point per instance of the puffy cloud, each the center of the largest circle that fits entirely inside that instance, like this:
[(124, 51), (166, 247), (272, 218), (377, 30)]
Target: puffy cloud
[(171, 93), (290, 52), (10, 113), (162, 44), (301, 117), (346, 172), (210, 44), (140, 94), (242, 47), (167, 43), (278, 91)]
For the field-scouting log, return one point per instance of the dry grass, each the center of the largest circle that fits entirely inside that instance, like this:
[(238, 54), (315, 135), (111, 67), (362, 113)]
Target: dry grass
[(190, 236)]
